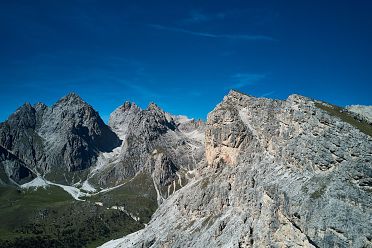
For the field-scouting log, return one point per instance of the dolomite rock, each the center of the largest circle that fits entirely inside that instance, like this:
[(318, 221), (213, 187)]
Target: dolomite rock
[(276, 174), (122, 117), (13, 170), (68, 143), (153, 144), (363, 112), (55, 141)]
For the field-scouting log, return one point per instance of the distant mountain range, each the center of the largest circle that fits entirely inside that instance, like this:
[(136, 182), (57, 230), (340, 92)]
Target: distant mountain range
[(259, 173)]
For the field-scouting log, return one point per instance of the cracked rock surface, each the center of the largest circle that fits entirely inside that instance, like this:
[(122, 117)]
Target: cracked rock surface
[(275, 174)]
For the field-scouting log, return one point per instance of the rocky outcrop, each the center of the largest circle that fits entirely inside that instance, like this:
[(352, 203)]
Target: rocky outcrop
[(122, 117), (13, 170), (68, 143), (66, 137), (74, 134), (154, 144), (363, 112), (277, 174)]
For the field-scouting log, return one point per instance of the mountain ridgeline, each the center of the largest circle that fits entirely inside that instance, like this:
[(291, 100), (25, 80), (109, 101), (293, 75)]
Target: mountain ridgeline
[(59, 140), (258, 173)]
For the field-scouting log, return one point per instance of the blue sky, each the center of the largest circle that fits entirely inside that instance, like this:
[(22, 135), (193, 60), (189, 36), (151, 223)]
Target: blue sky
[(183, 55)]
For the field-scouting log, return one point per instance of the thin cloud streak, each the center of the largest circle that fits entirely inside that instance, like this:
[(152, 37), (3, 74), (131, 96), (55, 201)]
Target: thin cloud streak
[(198, 17), (241, 80), (210, 35), (267, 94)]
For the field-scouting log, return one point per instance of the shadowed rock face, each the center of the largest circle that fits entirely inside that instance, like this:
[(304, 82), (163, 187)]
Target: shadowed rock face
[(277, 174), (64, 138), (12, 170)]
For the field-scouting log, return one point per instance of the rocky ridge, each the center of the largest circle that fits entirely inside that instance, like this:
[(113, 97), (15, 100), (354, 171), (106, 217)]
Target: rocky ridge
[(276, 174), (259, 173), (57, 141), (363, 112), (69, 144), (153, 143)]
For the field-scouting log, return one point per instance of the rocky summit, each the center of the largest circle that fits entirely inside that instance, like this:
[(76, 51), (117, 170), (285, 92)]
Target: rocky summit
[(276, 174), (58, 140), (259, 173)]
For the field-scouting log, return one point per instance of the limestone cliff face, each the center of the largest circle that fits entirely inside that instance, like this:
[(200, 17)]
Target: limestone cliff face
[(277, 174)]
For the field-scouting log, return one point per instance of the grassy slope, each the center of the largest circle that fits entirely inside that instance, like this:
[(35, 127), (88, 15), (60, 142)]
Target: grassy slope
[(51, 218), (346, 117)]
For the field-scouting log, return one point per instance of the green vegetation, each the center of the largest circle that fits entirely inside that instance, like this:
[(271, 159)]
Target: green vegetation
[(304, 189), (208, 221), (137, 196), (52, 218), (58, 175), (204, 183), (3, 176), (346, 117), (319, 192)]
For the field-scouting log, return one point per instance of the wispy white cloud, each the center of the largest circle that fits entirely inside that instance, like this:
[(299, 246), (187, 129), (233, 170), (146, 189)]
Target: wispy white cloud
[(211, 35), (267, 94), (197, 16), (241, 80)]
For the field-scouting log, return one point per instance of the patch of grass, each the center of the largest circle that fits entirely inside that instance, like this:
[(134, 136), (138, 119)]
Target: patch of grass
[(319, 192), (59, 175), (304, 189), (207, 221), (190, 224), (17, 206), (137, 196), (346, 117), (51, 218), (204, 183), (3, 176)]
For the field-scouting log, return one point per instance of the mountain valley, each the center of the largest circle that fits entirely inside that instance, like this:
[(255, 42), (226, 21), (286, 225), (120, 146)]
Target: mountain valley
[(258, 173)]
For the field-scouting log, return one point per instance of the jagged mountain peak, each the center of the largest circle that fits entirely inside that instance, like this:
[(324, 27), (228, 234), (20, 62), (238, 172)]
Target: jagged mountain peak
[(26, 105), (122, 116), (40, 105), (69, 99), (280, 174), (72, 95), (127, 105), (66, 137), (24, 116), (237, 93), (154, 107), (295, 98), (72, 110)]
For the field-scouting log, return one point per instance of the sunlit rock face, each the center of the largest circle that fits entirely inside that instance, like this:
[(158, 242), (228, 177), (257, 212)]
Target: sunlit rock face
[(69, 143), (362, 111), (163, 146), (276, 174)]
